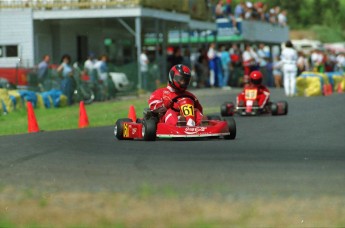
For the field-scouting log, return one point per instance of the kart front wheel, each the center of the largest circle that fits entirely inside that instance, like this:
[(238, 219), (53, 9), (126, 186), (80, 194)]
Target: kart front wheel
[(149, 129), (232, 128), (227, 109), (119, 128)]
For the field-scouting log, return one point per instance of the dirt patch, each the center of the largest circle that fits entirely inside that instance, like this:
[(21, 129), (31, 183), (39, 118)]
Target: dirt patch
[(103, 209), (302, 34)]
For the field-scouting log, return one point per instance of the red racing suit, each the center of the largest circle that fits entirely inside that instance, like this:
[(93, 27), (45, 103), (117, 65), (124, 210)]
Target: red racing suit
[(160, 101), (262, 95)]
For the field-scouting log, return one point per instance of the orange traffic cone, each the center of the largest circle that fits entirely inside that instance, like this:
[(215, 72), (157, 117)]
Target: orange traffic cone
[(32, 122), (339, 89), (131, 114), (83, 119)]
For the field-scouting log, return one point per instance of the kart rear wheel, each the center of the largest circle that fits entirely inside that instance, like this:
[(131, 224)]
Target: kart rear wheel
[(149, 129), (274, 109), (284, 107), (118, 130), (227, 109), (232, 128), (279, 108)]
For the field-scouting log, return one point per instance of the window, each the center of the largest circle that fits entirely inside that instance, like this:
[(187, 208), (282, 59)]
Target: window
[(12, 51), (8, 51)]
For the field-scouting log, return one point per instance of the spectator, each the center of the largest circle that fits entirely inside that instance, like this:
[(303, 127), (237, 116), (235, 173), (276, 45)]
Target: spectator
[(340, 62), (249, 58), (277, 72), (144, 68), (89, 67), (43, 70), (101, 67), (248, 15), (227, 10), (226, 63), (236, 65), (65, 70), (282, 19), (289, 61), (219, 9), (302, 63), (239, 15), (262, 57), (201, 68), (212, 55)]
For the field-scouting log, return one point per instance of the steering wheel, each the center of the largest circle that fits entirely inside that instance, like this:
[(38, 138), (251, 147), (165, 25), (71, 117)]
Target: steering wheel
[(175, 99)]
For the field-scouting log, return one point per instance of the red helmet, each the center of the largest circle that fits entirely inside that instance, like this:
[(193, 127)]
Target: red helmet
[(179, 77), (256, 77)]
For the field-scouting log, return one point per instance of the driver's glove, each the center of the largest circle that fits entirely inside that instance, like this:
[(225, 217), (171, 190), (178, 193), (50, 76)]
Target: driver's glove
[(167, 102)]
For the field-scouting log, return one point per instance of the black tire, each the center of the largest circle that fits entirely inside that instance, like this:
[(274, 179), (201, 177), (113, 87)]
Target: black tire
[(285, 107), (274, 109), (232, 128), (149, 129), (280, 108), (118, 130), (227, 109)]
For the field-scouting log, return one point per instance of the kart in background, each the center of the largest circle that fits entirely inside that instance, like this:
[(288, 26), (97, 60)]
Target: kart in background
[(250, 107), (150, 127)]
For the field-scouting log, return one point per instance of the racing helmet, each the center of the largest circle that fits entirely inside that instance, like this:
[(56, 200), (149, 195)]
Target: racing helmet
[(255, 77), (179, 77)]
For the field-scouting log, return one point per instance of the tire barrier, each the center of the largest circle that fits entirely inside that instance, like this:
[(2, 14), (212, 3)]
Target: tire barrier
[(16, 99), (318, 84)]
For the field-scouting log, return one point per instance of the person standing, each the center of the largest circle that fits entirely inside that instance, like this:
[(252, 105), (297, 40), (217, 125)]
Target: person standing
[(289, 65), (211, 55), (226, 62), (43, 70), (262, 56), (65, 70), (89, 67), (101, 67), (144, 68), (249, 58)]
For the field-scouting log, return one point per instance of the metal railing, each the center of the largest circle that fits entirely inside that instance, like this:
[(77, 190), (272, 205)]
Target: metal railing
[(69, 4), (197, 9)]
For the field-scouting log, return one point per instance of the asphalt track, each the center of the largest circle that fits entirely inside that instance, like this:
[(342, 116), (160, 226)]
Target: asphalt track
[(301, 154)]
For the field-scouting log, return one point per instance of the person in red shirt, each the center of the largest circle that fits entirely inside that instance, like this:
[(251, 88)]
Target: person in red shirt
[(163, 101), (255, 90)]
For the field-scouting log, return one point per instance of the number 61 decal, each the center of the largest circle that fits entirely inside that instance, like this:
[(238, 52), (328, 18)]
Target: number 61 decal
[(187, 110)]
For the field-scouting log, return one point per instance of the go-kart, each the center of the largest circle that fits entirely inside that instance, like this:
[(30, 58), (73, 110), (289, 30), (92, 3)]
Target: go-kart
[(250, 108), (151, 126)]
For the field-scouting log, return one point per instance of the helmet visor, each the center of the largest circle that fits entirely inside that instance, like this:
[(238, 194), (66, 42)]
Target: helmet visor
[(183, 81)]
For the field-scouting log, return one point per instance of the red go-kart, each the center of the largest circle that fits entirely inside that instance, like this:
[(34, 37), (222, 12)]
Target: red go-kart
[(250, 107), (150, 127)]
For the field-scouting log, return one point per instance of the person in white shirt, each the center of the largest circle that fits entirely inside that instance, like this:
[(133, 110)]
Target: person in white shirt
[(144, 68), (212, 54), (89, 67), (340, 62), (289, 66)]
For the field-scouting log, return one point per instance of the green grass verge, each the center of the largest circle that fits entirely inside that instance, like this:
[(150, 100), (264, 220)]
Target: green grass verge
[(99, 114)]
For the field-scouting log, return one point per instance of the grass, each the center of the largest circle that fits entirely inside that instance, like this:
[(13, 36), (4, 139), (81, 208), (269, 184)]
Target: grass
[(99, 114), (114, 209)]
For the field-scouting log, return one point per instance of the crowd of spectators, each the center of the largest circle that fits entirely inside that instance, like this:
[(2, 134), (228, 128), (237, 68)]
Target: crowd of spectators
[(248, 10), (229, 65)]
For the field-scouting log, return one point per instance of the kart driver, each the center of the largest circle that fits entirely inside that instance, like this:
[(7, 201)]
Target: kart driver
[(161, 100), (262, 94)]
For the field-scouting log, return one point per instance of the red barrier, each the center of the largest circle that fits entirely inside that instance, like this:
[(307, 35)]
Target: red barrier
[(16, 76)]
